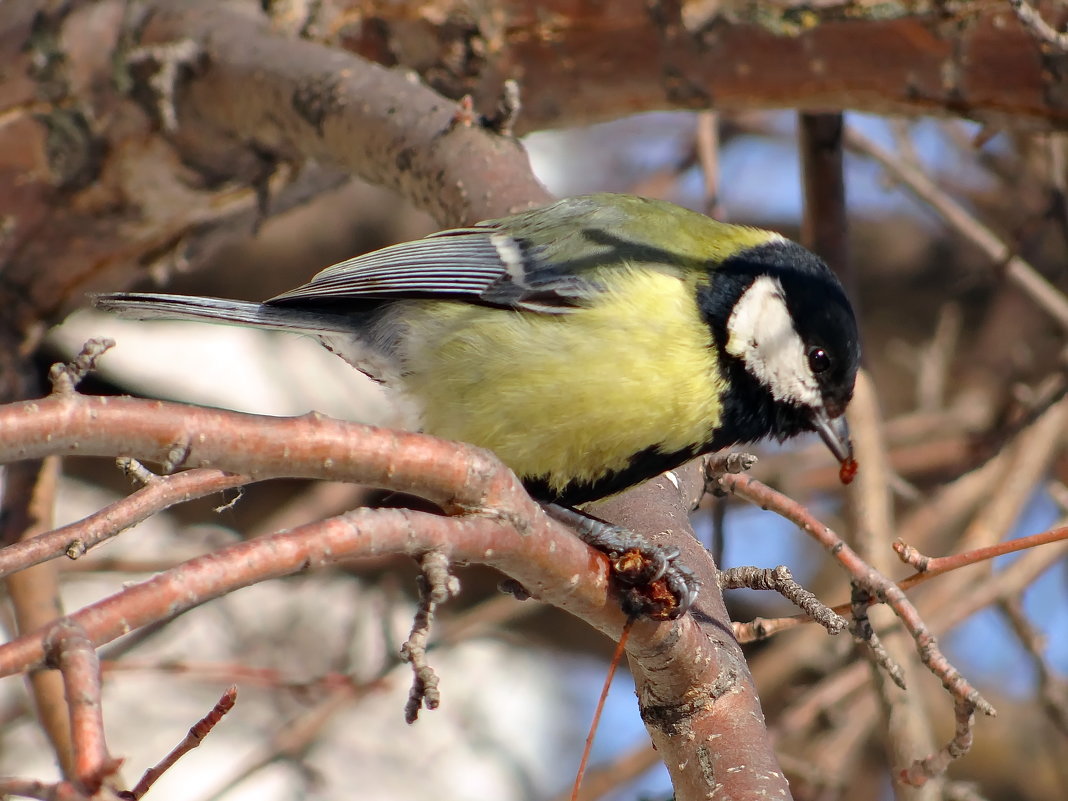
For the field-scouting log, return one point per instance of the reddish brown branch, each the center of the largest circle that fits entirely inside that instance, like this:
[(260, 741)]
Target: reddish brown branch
[(929, 566), (365, 532), (76, 539), (197, 732), (969, 59), (312, 446), (68, 648), (504, 529)]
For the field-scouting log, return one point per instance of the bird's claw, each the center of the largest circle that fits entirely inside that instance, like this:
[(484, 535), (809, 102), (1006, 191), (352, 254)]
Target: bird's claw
[(655, 585)]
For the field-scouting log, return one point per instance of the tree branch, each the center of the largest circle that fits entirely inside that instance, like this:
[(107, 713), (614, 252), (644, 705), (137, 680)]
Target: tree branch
[(691, 677)]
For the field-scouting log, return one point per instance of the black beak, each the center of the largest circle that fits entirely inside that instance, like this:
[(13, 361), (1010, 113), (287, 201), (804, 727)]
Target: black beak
[(835, 433)]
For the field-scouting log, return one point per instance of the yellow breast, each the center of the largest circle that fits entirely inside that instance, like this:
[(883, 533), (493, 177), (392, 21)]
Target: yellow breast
[(573, 396)]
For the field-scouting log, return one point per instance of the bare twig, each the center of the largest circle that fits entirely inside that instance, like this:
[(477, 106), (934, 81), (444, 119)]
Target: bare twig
[(135, 471), (929, 566), (364, 532), (935, 359), (66, 377), (1032, 20), (871, 509), (587, 749), (1053, 689), (436, 586), (706, 145), (934, 765), (291, 740), (1006, 583), (192, 739), (76, 539), (620, 772), (780, 580), (865, 632)]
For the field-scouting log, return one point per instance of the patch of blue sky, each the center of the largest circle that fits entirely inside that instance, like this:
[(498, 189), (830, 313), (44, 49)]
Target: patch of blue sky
[(621, 729), (759, 175)]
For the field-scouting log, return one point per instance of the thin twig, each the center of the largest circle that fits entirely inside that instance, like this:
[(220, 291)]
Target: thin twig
[(909, 728), (929, 566), (587, 749), (290, 741), (192, 739), (436, 586), (66, 377), (76, 539), (825, 227), (1053, 690), (1032, 20), (780, 580), (706, 146), (28, 502)]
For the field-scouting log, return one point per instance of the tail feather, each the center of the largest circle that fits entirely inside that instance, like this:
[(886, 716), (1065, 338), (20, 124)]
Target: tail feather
[(153, 306)]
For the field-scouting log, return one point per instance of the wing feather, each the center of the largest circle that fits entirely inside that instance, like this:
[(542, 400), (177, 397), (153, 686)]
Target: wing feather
[(480, 264)]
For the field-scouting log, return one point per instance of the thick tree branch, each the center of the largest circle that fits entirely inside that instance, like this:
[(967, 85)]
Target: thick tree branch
[(98, 190), (297, 99), (972, 59)]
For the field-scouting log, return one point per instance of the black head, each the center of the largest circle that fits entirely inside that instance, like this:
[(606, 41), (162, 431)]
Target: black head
[(787, 338)]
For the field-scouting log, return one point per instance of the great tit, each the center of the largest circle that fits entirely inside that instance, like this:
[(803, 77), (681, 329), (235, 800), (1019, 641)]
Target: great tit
[(591, 344)]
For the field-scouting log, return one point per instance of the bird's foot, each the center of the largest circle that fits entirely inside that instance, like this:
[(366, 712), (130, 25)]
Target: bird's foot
[(654, 583)]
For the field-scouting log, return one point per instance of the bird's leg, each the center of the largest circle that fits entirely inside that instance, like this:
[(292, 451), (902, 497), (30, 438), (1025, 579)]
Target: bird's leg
[(655, 584)]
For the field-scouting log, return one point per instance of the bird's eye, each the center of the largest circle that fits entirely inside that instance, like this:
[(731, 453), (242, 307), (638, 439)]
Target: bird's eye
[(818, 360)]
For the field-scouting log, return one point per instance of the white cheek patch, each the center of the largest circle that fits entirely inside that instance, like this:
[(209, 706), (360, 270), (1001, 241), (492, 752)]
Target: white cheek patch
[(761, 333)]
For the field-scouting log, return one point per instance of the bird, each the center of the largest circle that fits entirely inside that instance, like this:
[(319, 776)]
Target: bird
[(591, 343)]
